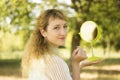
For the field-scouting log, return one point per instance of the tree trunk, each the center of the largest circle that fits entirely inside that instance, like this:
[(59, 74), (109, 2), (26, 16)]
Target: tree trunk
[(75, 41), (76, 37)]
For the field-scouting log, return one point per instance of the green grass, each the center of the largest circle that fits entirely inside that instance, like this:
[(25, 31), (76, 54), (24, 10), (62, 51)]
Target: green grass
[(10, 67), (10, 64), (11, 55), (111, 61)]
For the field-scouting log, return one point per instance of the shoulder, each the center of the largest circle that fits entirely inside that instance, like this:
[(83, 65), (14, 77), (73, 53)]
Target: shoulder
[(57, 66), (56, 60), (49, 66), (37, 71)]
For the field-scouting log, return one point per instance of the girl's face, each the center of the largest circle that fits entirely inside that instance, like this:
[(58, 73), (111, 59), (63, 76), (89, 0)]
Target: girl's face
[(56, 32)]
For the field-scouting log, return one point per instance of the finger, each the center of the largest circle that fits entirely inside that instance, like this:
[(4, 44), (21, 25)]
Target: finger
[(81, 51), (85, 54), (75, 51)]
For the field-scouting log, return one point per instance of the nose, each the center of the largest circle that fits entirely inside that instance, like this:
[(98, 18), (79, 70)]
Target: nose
[(63, 31)]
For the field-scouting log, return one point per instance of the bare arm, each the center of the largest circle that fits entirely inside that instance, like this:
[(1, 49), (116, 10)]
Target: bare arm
[(76, 71), (77, 56), (79, 60)]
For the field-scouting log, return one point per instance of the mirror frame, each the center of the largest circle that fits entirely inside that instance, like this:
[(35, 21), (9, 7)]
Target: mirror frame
[(98, 33)]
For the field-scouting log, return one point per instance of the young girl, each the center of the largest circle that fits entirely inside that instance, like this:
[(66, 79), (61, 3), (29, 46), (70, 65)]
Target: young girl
[(40, 61)]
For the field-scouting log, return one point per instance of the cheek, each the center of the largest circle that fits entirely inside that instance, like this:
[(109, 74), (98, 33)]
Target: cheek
[(52, 33), (52, 36), (66, 32)]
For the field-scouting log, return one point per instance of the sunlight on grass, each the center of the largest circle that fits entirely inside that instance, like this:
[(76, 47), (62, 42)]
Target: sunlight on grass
[(85, 75), (95, 76), (10, 78), (11, 55)]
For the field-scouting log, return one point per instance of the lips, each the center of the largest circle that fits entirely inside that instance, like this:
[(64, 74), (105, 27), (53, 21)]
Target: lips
[(62, 38)]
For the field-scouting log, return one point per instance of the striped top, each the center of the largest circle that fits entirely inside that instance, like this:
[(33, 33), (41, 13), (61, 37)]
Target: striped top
[(51, 67)]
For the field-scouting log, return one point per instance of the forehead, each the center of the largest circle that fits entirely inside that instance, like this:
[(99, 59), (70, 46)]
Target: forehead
[(55, 21)]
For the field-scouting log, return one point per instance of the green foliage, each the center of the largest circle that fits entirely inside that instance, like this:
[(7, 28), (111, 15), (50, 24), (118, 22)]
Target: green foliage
[(18, 17), (106, 14), (11, 42), (15, 23)]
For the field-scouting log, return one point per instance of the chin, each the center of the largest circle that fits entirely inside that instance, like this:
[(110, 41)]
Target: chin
[(62, 44)]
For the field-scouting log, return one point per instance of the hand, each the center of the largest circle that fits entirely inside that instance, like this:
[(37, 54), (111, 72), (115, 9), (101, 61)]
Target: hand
[(89, 63), (78, 55)]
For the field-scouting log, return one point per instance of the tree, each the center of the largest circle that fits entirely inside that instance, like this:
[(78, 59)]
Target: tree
[(19, 17), (82, 8), (16, 17), (105, 13)]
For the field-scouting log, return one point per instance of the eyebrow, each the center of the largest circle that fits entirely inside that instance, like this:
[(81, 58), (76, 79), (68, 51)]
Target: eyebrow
[(62, 24)]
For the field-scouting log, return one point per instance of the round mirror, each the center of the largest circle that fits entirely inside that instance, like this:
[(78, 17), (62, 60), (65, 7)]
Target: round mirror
[(89, 31)]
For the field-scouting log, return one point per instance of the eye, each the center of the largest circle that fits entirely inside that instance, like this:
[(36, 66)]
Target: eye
[(65, 26), (56, 27)]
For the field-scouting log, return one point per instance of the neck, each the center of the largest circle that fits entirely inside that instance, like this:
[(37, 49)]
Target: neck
[(53, 48)]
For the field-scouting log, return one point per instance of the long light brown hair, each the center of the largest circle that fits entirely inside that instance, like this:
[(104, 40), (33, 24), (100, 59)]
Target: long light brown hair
[(37, 46)]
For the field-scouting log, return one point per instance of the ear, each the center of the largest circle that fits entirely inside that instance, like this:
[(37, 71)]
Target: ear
[(43, 32)]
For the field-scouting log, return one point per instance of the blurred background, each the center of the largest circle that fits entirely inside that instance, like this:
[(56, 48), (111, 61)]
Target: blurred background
[(18, 19)]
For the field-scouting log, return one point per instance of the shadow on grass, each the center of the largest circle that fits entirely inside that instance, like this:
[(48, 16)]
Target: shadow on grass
[(110, 61), (10, 67)]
